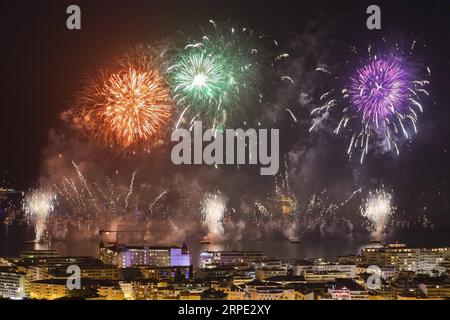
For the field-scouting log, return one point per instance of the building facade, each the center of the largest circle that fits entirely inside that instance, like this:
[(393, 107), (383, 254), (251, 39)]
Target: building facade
[(13, 284), (402, 258), (129, 256)]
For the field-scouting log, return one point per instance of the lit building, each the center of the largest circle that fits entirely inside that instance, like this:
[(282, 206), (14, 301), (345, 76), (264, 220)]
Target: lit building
[(38, 254), (319, 266), (187, 295), (257, 290), (51, 289), (129, 256), (48, 289), (93, 272), (216, 273), (323, 276), (435, 288), (211, 258), (418, 260), (171, 273), (13, 284), (240, 279), (287, 280), (235, 293), (265, 272), (55, 267), (346, 289), (139, 290), (127, 289), (350, 259), (111, 292)]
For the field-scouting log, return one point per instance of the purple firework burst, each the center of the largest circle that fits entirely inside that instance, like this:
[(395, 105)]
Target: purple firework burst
[(381, 104), (380, 90)]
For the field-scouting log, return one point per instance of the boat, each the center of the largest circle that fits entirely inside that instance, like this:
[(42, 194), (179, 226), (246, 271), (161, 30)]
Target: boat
[(205, 241), (295, 240)]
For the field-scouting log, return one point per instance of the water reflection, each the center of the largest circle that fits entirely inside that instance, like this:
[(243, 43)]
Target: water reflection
[(13, 241)]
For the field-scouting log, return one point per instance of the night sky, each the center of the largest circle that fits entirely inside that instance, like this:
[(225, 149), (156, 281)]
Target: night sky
[(43, 63)]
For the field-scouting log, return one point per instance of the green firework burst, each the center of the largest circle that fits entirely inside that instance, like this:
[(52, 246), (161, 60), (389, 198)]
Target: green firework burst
[(199, 78), (220, 78)]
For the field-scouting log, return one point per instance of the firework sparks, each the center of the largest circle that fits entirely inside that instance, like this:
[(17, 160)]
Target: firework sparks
[(82, 178), (38, 205), (292, 114), (150, 207), (213, 208), (378, 208), (381, 102), (379, 90), (220, 76), (285, 199), (200, 77), (130, 189), (125, 107), (262, 208)]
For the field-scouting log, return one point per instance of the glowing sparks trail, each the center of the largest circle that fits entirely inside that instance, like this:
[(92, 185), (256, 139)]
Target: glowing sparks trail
[(213, 208), (125, 107), (157, 199), (38, 205), (378, 208), (292, 114), (380, 104), (284, 197), (82, 178), (130, 189), (343, 203), (261, 208)]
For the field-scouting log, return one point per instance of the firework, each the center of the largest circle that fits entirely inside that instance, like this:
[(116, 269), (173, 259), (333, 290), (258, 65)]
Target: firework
[(38, 205), (200, 77), (285, 199), (150, 207), (381, 101), (125, 107), (88, 198), (222, 75), (213, 208), (378, 208), (130, 189)]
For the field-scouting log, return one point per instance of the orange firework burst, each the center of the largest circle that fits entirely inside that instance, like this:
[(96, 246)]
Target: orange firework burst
[(126, 107)]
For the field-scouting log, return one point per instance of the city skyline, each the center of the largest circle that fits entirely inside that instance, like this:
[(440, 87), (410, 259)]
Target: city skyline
[(378, 272)]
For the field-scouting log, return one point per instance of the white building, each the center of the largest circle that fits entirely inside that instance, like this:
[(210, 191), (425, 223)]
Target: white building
[(325, 267), (211, 258), (418, 260), (12, 283), (129, 256)]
